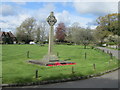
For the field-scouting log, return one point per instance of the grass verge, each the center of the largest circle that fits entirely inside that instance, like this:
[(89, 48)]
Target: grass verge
[(16, 69)]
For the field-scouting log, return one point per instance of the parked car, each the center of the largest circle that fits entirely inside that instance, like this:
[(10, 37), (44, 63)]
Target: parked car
[(32, 42)]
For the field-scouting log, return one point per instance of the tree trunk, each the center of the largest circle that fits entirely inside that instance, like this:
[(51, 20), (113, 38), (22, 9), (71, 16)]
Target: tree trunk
[(84, 46)]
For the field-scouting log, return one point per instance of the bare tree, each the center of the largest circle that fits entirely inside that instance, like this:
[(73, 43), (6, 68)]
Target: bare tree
[(72, 33), (25, 31), (86, 37), (79, 35), (41, 32)]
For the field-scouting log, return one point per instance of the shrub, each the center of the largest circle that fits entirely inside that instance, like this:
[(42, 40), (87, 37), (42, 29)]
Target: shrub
[(111, 43)]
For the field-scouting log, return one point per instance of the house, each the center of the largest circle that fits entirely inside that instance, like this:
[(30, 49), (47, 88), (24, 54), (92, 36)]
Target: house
[(7, 38)]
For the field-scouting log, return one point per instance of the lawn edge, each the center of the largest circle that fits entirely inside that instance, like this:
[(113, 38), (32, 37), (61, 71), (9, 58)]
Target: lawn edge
[(60, 80)]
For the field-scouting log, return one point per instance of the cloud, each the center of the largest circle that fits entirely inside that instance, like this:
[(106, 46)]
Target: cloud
[(11, 19), (16, 15), (11, 22), (64, 16), (96, 8), (12, 16), (68, 18), (7, 10), (42, 13)]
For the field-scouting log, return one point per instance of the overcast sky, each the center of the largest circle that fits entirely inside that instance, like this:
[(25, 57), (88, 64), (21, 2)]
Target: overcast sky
[(13, 13)]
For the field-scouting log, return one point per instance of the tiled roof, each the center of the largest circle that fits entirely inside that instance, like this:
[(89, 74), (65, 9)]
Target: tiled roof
[(7, 33), (11, 35)]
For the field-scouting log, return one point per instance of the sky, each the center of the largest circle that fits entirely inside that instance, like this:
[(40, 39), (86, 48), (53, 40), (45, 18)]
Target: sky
[(13, 13)]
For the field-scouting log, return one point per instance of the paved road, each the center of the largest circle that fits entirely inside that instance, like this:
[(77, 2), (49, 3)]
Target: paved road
[(114, 52), (106, 81)]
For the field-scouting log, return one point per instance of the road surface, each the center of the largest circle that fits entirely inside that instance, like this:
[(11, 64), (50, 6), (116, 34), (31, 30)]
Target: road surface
[(114, 52), (106, 81)]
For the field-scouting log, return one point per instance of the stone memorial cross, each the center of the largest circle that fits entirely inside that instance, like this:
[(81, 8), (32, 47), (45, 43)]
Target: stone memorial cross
[(51, 21)]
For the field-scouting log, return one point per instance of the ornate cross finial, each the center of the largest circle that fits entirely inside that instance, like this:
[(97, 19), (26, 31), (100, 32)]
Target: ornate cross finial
[(51, 19)]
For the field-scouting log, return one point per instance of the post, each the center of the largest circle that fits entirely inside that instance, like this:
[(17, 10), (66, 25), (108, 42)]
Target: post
[(73, 70), (28, 54), (111, 55), (84, 46), (94, 66), (103, 50), (57, 53), (85, 55), (36, 73)]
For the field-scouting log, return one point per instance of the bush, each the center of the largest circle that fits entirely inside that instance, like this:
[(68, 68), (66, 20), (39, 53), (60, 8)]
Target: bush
[(111, 43), (64, 43)]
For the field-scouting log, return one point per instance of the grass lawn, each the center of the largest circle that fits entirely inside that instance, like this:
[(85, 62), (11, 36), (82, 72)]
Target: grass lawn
[(16, 69)]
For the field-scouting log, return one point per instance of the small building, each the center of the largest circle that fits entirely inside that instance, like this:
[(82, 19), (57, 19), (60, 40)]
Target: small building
[(7, 38)]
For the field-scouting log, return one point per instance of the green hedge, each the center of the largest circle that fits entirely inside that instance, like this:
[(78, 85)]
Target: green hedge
[(111, 43)]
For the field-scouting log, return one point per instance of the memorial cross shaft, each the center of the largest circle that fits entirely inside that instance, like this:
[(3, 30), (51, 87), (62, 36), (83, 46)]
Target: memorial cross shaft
[(51, 21)]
